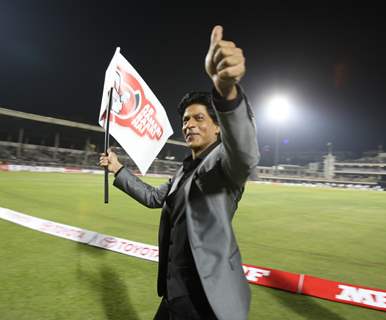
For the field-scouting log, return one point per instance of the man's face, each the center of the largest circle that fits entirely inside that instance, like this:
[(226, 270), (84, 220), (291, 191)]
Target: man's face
[(198, 128)]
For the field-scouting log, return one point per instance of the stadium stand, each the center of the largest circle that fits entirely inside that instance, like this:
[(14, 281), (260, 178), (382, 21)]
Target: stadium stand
[(36, 155), (24, 138)]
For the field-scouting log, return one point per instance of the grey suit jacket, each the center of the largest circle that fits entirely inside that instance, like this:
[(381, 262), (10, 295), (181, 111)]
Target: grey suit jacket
[(212, 193)]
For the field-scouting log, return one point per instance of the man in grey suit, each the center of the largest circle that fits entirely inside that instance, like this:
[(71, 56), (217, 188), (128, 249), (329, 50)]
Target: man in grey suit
[(199, 272)]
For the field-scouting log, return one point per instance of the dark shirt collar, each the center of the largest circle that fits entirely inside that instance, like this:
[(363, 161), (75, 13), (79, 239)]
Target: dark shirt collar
[(189, 163)]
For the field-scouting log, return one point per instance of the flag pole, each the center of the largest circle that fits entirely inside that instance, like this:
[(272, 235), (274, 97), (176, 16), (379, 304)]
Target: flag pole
[(107, 145)]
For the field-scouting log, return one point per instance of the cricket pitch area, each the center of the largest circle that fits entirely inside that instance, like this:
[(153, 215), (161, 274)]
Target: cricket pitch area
[(328, 233)]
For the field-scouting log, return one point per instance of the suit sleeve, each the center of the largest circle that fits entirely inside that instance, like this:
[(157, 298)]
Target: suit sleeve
[(239, 149), (149, 196)]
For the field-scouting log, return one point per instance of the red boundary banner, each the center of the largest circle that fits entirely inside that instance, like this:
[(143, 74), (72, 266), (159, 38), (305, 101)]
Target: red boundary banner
[(345, 293), (316, 287), (4, 167), (283, 280)]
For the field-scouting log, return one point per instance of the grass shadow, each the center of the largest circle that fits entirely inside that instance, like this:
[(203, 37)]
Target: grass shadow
[(305, 306), (115, 296), (113, 291)]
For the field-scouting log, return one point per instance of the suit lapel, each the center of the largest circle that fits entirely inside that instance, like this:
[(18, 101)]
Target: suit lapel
[(177, 179), (192, 177)]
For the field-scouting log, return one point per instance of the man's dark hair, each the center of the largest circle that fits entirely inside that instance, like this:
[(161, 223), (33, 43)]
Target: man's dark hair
[(199, 97)]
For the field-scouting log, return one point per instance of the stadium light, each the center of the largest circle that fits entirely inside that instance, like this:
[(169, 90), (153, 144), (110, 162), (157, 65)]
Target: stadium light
[(278, 108), (278, 111)]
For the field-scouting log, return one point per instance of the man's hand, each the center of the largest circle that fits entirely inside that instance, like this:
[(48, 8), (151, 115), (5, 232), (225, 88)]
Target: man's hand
[(225, 64), (110, 161)]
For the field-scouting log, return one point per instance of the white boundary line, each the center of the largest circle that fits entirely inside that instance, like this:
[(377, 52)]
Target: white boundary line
[(92, 238)]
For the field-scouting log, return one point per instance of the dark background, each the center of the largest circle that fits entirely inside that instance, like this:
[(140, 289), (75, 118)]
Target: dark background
[(329, 58)]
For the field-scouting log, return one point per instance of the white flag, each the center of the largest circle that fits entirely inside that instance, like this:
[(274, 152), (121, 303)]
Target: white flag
[(138, 121)]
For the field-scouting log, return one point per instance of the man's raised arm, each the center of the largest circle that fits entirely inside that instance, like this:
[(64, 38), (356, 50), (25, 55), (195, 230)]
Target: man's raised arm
[(225, 65)]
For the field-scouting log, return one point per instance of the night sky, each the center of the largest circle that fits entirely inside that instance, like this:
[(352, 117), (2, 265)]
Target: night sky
[(330, 61)]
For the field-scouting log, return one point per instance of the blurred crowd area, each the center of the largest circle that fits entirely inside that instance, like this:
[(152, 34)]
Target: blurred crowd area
[(38, 155), (49, 143), (46, 141)]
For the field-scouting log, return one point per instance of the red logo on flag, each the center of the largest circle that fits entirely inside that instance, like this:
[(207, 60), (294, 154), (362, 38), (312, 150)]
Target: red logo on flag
[(131, 109)]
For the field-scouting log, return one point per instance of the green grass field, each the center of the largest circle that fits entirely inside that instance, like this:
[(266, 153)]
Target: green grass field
[(333, 234)]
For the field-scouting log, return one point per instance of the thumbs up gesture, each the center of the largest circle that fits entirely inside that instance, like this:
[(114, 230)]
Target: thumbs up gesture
[(224, 63)]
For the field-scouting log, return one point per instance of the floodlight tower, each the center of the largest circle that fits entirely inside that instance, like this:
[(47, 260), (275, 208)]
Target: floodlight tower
[(278, 108)]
